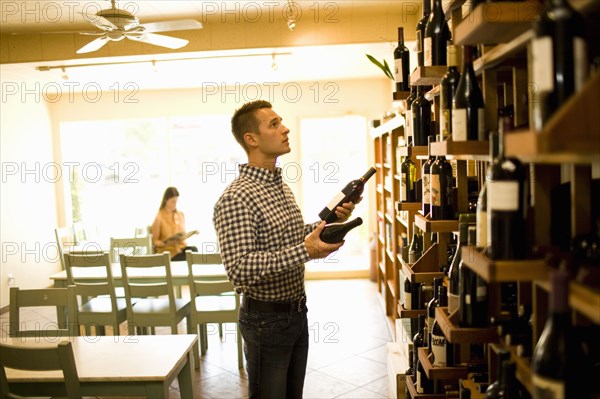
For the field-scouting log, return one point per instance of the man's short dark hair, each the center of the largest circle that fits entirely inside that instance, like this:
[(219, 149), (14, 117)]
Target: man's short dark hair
[(244, 120)]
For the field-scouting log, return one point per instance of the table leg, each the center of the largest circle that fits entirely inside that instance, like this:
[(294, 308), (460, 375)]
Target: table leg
[(158, 390), (186, 378)]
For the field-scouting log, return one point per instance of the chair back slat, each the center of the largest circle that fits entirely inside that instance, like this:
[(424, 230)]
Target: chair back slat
[(55, 357), (132, 245)]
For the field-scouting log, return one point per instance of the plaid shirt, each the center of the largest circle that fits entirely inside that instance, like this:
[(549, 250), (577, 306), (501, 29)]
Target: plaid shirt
[(261, 235)]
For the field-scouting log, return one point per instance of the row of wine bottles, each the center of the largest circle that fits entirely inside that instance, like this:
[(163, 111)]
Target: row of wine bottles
[(559, 68)]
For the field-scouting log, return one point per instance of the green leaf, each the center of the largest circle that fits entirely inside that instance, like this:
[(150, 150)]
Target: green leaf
[(384, 67)]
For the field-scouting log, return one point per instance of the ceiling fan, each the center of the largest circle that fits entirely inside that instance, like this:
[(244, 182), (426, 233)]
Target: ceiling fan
[(117, 24)]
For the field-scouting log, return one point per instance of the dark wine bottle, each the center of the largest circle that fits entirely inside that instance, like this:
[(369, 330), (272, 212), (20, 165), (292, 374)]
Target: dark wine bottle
[(509, 387), (408, 177), (468, 109), (473, 307), (421, 25), (423, 384), (401, 63), (350, 193), (442, 350), (415, 249), (453, 273), (432, 304), (421, 113), (410, 370), (493, 389), (483, 227), (506, 204), (559, 58), (556, 365), (407, 304), (418, 342), (442, 185), (426, 179), (437, 34), (448, 86), (408, 117), (335, 232)]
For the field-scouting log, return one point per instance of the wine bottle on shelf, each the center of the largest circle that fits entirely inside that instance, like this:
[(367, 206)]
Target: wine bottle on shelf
[(350, 193), (437, 34), (557, 364), (401, 63), (421, 25), (509, 386), (408, 117), (506, 204), (410, 370), (442, 185), (468, 109), (415, 249), (493, 389), (421, 113), (423, 384), (448, 86), (453, 272), (442, 350), (408, 177), (473, 307), (559, 58), (426, 179), (335, 232), (407, 304), (431, 305)]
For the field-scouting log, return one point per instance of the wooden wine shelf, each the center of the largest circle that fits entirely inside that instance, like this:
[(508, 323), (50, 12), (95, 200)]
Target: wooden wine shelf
[(412, 390), (504, 270), (428, 76), (464, 150), (451, 5), (435, 226), (425, 269), (523, 369), (410, 314), (462, 335), (472, 386), (400, 95), (433, 93), (579, 117), (440, 373), (410, 151), (582, 299), (493, 23), (408, 206), (388, 126)]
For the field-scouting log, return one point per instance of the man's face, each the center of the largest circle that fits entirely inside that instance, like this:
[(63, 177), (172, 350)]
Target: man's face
[(273, 137)]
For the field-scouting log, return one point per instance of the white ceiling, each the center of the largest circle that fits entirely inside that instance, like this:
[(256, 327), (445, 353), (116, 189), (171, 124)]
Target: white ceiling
[(207, 68)]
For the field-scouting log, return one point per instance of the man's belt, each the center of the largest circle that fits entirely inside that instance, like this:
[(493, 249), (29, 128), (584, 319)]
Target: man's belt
[(263, 306)]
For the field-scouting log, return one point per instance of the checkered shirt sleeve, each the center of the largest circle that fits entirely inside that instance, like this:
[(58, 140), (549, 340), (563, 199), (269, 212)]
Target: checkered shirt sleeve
[(261, 235)]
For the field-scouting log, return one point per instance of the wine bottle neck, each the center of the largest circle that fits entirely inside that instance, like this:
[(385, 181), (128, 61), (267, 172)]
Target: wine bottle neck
[(437, 7), (426, 7), (468, 52), (401, 36)]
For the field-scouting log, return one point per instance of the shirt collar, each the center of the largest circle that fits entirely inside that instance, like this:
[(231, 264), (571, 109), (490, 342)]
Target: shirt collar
[(261, 174)]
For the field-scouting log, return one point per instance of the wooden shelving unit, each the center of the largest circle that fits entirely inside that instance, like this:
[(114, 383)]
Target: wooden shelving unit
[(428, 76), (413, 392), (463, 150), (440, 373), (461, 335), (435, 226), (505, 270), (582, 299)]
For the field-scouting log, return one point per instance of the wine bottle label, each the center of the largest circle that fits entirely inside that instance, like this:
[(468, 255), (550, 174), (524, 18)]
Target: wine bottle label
[(482, 227), (481, 293), (580, 59), (409, 123), (419, 41), (436, 189), (543, 64), (459, 124), (426, 188), (419, 383), (481, 122), (427, 50), (453, 302), (336, 200), (438, 348), (445, 128), (403, 187), (467, 299), (407, 301), (398, 70), (547, 388), (503, 196)]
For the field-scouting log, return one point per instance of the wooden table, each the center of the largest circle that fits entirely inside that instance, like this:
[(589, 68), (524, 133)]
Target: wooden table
[(140, 365)]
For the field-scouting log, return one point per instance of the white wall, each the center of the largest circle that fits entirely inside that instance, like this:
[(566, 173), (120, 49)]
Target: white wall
[(30, 133), (28, 204)]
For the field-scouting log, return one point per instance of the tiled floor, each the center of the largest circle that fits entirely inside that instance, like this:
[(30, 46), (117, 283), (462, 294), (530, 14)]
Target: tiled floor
[(347, 357)]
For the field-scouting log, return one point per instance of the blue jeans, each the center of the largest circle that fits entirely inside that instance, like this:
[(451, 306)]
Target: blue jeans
[(276, 350)]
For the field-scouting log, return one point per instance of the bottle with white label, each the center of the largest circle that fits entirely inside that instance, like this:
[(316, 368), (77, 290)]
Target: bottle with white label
[(401, 63), (420, 30), (506, 204), (559, 58), (442, 350), (437, 34), (350, 193), (468, 109)]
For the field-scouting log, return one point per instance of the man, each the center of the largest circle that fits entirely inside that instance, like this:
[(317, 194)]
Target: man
[(264, 244)]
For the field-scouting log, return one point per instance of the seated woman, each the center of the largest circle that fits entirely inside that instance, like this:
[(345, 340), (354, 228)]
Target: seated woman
[(168, 228)]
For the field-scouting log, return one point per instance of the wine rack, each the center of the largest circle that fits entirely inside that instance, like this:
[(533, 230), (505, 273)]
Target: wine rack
[(503, 63)]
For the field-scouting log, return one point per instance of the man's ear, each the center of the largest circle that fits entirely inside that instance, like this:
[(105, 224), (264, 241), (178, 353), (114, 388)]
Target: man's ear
[(250, 140)]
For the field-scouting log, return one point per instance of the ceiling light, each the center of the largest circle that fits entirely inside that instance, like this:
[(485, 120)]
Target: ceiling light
[(292, 16), (64, 74)]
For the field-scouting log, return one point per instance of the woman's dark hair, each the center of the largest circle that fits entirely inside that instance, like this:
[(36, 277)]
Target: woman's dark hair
[(244, 120), (170, 192)]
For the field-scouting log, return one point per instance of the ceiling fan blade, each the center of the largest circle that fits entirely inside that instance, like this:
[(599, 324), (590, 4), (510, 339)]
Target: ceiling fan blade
[(92, 33), (99, 21), (94, 45), (164, 26), (159, 40)]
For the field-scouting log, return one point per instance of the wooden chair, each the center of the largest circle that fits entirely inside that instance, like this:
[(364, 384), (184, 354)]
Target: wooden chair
[(61, 299), (65, 239), (155, 303), (42, 358), (97, 302), (211, 302), (132, 246)]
